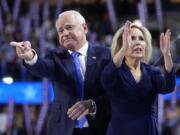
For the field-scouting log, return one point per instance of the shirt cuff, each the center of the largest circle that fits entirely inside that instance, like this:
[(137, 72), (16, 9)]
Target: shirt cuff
[(94, 108), (33, 61)]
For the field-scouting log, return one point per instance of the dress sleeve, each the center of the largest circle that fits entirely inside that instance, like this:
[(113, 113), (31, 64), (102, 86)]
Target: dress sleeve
[(109, 76), (164, 83)]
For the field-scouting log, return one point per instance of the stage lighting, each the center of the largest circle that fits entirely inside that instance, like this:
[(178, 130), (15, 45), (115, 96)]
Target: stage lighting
[(7, 80)]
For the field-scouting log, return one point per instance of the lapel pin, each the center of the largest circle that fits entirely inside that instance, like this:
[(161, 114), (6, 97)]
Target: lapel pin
[(94, 57)]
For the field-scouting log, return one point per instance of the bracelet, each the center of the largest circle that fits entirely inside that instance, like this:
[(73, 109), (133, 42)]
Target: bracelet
[(34, 52), (93, 104)]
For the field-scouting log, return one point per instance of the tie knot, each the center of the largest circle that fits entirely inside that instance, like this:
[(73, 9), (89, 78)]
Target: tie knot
[(75, 54)]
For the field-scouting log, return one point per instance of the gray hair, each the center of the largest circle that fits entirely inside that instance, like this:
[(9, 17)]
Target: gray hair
[(76, 15)]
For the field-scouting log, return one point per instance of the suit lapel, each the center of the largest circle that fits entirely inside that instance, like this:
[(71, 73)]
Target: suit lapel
[(128, 76), (67, 64), (90, 64), (146, 77), (69, 69)]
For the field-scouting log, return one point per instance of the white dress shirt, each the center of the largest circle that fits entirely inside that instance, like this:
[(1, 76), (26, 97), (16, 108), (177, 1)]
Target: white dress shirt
[(82, 58)]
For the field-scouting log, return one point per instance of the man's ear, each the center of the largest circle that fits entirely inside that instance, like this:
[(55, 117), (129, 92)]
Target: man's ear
[(85, 27)]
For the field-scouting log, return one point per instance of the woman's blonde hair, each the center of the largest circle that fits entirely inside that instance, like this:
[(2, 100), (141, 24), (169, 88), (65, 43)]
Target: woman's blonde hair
[(117, 41)]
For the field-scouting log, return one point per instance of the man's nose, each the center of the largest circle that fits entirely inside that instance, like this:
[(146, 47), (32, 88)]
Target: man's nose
[(65, 32)]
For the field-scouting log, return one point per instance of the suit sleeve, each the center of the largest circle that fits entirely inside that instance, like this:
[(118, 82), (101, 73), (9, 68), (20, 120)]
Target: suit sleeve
[(109, 77), (44, 67), (164, 83), (102, 101)]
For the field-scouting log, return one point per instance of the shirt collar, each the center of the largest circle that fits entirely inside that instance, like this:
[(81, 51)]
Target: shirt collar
[(82, 50)]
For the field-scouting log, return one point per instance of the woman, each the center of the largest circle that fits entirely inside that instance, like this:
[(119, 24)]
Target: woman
[(133, 84)]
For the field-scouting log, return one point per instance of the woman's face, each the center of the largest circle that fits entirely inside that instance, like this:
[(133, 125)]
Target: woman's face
[(138, 44)]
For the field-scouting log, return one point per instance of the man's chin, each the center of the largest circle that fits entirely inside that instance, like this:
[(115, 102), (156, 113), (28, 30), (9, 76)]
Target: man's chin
[(70, 47)]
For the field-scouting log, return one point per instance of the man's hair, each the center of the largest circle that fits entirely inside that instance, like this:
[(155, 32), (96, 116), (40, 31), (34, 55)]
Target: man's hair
[(76, 15), (117, 41)]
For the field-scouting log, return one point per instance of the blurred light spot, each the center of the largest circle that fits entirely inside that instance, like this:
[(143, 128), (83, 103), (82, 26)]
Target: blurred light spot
[(7, 80)]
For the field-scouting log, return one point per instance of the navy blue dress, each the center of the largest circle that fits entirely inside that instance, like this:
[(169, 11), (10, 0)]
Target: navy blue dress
[(133, 104)]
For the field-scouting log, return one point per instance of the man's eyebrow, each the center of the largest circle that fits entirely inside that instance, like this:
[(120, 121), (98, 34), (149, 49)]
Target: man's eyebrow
[(68, 24)]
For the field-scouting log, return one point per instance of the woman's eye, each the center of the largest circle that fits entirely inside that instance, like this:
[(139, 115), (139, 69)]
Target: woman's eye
[(133, 37), (141, 38)]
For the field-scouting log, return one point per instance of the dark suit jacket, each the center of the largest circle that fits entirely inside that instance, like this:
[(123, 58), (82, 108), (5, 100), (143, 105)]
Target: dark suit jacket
[(58, 66), (133, 104)]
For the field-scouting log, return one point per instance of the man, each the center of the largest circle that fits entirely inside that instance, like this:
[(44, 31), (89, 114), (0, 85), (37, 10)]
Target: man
[(77, 93)]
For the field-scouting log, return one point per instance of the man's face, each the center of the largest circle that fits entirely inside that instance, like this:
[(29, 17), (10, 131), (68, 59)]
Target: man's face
[(72, 34)]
